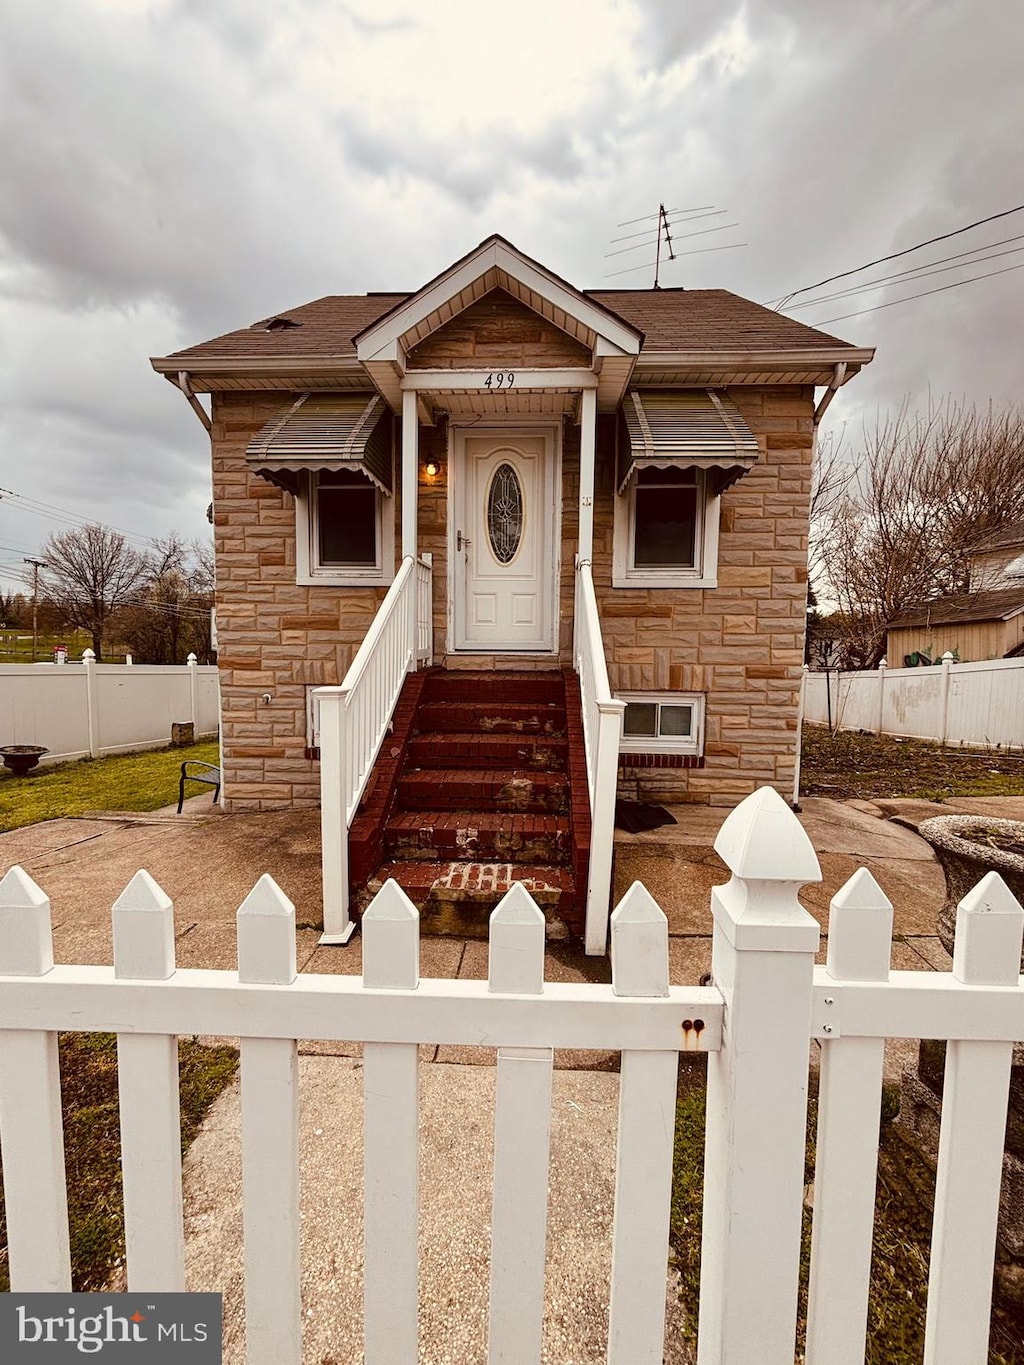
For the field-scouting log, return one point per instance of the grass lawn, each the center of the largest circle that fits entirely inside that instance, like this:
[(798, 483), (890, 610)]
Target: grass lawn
[(903, 1219), (855, 764), (141, 781), (92, 1144)]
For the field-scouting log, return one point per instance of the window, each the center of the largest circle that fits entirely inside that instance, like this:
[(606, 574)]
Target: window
[(666, 530), (344, 530), (663, 723)]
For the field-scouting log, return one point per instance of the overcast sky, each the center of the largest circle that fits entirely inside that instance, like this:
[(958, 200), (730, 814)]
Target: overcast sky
[(172, 169)]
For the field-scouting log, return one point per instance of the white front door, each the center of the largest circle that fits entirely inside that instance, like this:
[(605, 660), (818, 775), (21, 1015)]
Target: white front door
[(502, 541)]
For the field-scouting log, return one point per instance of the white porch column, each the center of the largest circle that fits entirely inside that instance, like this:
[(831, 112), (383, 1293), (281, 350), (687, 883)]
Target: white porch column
[(588, 438), (410, 471)]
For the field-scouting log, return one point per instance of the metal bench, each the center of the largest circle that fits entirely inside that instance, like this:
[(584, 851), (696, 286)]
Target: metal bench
[(210, 777)]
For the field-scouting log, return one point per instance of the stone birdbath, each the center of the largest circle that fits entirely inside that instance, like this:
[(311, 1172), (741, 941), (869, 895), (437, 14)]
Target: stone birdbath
[(21, 758), (968, 846)]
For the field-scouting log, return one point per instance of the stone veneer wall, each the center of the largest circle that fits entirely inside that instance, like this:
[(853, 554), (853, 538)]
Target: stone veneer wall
[(741, 644)]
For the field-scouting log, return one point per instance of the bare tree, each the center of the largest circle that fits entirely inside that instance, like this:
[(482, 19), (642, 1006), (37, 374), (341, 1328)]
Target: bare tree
[(90, 573), (170, 617), (925, 492)]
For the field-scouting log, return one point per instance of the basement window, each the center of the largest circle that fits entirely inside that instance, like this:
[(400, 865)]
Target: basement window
[(663, 722)]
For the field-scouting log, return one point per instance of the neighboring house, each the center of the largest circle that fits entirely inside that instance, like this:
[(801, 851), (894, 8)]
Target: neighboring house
[(512, 427), (987, 622)]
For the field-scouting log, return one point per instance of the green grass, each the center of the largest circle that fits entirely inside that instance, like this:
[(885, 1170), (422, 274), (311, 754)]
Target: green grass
[(903, 1220), (142, 781), (16, 645), (855, 764), (92, 1144)]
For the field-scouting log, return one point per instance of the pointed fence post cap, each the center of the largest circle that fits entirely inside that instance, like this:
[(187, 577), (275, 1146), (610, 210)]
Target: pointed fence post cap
[(515, 948), (639, 945), (391, 940), (517, 906), (859, 931), (143, 893), (192, 659), (26, 940), (989, 930), (762, 840), (266, 898), (861, 892), (266, 936)]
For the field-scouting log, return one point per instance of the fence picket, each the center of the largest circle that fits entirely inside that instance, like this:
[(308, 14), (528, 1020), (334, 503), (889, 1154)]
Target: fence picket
[(31, 1126), (270, 1140), (643, 1171), (986, 951), (391, 956), (147, 1083), (522, 1130), (849, 1101)]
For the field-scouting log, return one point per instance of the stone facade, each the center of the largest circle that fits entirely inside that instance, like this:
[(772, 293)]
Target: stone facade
[(740, 644)]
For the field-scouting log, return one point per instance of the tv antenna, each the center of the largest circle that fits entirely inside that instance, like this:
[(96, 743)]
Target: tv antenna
[(665, 220)]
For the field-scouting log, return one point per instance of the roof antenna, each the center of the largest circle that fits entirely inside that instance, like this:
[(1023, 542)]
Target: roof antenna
[(663, 229), (667, 219)]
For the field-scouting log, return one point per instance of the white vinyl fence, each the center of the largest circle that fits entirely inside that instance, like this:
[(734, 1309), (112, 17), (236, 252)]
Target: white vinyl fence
[(88, 709), (979, 704), (755, 1024)]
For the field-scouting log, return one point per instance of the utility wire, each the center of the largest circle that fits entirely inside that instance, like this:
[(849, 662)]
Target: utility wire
[(780, 303), (906, 277), (35, 505), (941, 290)]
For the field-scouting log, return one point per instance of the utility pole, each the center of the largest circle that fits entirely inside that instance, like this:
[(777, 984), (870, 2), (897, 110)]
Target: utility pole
[(37, 564)]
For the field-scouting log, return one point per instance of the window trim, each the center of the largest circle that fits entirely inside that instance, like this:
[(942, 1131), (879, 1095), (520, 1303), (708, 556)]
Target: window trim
[(704, 573), (308, 571), (666, 744)]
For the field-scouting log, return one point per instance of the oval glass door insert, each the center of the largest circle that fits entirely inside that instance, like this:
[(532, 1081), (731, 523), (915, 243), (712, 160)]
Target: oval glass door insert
[(505, 513)]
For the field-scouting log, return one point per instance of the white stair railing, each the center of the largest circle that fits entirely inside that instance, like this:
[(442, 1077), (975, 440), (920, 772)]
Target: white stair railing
[(602, 730), (354, 719)]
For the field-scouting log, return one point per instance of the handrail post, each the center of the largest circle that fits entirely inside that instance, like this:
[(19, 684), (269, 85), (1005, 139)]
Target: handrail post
[(338, 926), (602, 825), (763, 964)]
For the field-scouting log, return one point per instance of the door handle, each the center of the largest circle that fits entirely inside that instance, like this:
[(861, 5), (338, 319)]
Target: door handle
[(461, 540)]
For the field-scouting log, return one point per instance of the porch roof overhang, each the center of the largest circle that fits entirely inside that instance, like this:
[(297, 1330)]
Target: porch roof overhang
[(697, 429), (383, 347), (318, 432)]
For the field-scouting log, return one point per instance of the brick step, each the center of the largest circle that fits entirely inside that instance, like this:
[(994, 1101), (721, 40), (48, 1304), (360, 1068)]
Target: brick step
[(491, 836), (455, 749), (497, 718), (455, 685), (457, 897), (473, 789)]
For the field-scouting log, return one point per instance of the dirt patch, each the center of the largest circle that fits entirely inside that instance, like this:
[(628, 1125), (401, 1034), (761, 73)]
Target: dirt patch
[(855, 765)]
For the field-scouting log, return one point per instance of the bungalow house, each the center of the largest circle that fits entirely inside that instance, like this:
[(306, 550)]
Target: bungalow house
[(550, 539)]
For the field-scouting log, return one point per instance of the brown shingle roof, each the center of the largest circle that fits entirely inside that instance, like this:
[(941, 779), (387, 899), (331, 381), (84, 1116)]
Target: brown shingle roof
[(1008, 537), (671, 319), (977, 606)]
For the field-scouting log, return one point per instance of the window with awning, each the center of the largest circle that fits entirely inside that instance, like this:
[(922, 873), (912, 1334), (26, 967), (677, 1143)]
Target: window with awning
[(325, 433), (696, 429)]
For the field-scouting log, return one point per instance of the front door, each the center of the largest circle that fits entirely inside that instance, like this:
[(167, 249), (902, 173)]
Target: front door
[(502, 541)]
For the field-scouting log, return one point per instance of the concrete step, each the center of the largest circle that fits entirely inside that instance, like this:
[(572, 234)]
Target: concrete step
[(491, 718), (491, 836), (476, 789), (474, 749), (457, 897)]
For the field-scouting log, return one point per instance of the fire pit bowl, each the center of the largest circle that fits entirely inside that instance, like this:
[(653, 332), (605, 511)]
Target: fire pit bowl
[(968, 846), (21, 758)]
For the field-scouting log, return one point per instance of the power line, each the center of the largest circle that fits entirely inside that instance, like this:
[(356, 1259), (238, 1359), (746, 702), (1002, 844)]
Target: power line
[(52, 513), (897, 254), (908, 277), (941, 290)]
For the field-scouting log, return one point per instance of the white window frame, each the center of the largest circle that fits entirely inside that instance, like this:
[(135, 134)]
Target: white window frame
[(703, 574), (666, 744), (312, 716), (308, 570)]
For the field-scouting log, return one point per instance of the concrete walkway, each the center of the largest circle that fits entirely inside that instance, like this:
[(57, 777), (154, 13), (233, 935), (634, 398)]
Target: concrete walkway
[(207, 862)]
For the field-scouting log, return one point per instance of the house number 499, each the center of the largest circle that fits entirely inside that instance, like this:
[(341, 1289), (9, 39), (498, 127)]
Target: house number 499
[(500, 379)]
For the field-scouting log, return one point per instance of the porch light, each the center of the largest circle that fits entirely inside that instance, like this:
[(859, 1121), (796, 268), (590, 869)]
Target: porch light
[(431, 469)]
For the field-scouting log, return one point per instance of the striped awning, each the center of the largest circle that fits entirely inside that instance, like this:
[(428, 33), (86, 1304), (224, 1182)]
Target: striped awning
[(325, 431), (692, 428)]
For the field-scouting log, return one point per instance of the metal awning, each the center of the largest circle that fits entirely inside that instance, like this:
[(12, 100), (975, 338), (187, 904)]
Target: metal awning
[(694, 428), (325, 431)]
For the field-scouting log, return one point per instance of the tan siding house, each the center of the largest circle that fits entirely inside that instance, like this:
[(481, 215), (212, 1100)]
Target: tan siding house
[(519, 433)]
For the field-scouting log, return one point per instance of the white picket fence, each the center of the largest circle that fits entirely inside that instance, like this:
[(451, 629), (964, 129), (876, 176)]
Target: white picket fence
[(979, 704), (755, 1023), (89, 709)]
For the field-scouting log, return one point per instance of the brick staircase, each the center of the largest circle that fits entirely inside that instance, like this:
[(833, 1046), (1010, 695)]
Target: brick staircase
[(483, 784)]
